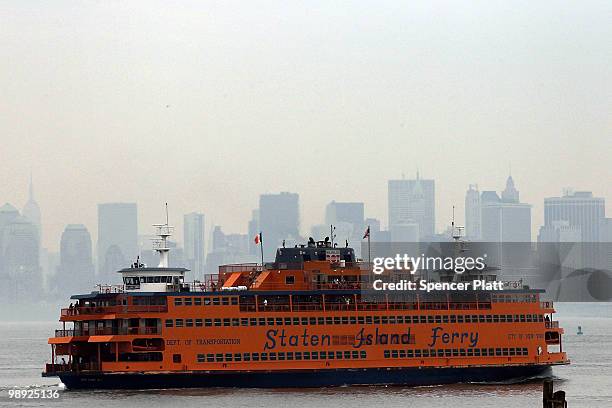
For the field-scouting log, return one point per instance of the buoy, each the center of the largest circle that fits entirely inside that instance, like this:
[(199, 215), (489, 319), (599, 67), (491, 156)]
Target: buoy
[(579, 331)]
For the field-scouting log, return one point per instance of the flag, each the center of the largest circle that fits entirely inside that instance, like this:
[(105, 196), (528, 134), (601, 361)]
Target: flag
[(367, 233), (257, 239)]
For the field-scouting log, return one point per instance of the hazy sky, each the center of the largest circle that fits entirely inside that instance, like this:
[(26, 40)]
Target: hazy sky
[(206, 105)]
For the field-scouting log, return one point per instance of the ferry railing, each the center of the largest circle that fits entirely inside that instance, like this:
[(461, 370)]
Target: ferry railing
[(68, 367), (551, 325), (87, 310), (546, 305), (340, 306), (305, 307), (64, 333), (274, 308), (105, 331)]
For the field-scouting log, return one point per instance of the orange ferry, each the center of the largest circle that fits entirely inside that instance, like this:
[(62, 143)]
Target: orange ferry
[(309, 319)]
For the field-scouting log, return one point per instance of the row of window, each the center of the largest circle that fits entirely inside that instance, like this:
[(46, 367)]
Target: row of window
[(206, 301), (303, 321), (282, 356), (470, 352)]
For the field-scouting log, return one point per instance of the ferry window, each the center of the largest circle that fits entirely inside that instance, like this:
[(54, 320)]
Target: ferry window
[(468, 319), (234, 301), (296, 321), (453, 318), (529, 318), (304, 321), (498, 352), (462, 352), (207, 322), (430, 319), (361, 319), (217, 322), (423, 319), (298, 355), (235, 322), (353, 320), (455, 353), (219, 357), (187, 302), (201, 358), (491, 352), (207, 301), (237, 357), (290, 355), (226, 322), (438, 319), (445, 319), (252, 321), (264, 356), (215, 301), (228, 357), (210, 358), (460, 319), (394, 354), (477, 352), (330, 355), (176, 358), (169, 323), (338, 355), (255, 356), (178, 301), (495, 319), (321, 320), (179, 323), (246, 357), (385, 320), (225, 301), (410, 353), (198, 322), (425, 353), (313, 320), (197, 301), (189, 322), (314, 355), (362, 354), (337, 320), (244, 321), (306, 355), (281, 356), (279, 321), (470, 352), (368, 319), (376, 319), (522, 318), (289, 280), (440, 353), (270, 321), (262, 321), (287, 321)]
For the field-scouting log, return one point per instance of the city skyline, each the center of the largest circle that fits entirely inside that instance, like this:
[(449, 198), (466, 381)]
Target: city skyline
[(51, 242)]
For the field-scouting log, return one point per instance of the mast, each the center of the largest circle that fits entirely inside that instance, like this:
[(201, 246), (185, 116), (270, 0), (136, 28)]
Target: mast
[(160, 244)]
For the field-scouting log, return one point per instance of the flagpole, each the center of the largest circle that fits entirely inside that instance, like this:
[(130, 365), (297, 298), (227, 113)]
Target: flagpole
[(261, 247), (369, 254)]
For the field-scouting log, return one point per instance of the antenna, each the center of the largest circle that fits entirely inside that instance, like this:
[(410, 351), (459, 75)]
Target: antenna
[(160, 244), (167, 214)]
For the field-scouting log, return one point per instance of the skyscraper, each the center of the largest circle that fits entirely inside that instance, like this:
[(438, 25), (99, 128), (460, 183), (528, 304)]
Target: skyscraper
[(75, 273), (117, 238), (472, 213), (580, 209), (19, 258), (412, 202), (31, 211), (348, 219), (505, 219), (279, 219), (193, 241)]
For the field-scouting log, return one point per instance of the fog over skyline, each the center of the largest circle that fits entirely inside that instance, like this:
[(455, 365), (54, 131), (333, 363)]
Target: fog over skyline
[(206, 105)]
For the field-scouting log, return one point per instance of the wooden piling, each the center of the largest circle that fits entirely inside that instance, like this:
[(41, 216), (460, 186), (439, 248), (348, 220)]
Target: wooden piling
[(550, 399)]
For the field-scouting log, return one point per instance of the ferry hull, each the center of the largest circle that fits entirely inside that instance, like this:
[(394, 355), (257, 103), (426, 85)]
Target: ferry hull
[(301, 379)]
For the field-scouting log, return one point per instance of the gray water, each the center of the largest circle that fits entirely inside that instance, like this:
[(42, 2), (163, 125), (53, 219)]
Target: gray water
[(587, 381)]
